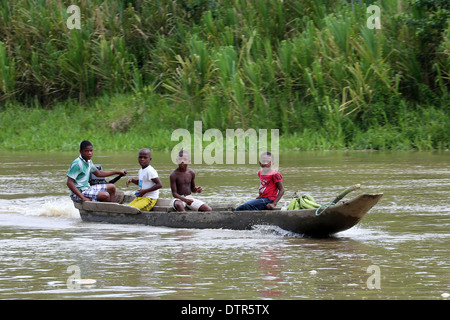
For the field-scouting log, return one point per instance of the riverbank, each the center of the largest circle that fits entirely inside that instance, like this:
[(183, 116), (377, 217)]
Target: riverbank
[(130, 122)]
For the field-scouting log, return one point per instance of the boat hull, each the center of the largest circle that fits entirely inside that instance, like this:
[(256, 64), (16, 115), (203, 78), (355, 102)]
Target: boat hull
[(335, 219)]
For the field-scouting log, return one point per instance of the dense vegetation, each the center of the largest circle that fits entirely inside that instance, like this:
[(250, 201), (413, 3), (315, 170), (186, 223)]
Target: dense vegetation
[(136, 70)]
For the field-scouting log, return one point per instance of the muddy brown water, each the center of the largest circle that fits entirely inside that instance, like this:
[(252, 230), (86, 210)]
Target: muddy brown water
[(398, 251)]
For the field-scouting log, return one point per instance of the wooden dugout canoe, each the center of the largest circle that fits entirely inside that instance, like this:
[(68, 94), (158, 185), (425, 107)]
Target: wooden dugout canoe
[(334, 219)]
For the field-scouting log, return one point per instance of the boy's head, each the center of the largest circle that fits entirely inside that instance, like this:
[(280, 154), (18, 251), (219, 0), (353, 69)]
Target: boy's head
[(84, 144), (86, 150), (266, 160), (144, 157), (183, 157)]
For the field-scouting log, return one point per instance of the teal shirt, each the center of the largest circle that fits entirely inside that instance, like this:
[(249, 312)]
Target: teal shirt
[(80, 171)]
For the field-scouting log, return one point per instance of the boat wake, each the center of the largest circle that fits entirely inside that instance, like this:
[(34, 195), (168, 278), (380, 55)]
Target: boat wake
[(44, 207), (275, 231), (377, 234)]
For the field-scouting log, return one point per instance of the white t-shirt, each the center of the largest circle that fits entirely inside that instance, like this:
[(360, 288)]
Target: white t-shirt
[(145, 181)]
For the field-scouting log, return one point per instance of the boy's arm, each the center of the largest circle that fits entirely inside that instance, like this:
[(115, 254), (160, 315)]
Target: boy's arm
[(279, 195), (194, 189), (73, 188), (99, 173), (130, 180), (157, 186)]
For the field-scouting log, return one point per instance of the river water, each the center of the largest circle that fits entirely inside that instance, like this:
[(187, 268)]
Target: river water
[(398, 251)]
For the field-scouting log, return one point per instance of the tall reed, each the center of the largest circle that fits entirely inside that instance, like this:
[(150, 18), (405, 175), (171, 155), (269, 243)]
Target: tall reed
[(298, 65)]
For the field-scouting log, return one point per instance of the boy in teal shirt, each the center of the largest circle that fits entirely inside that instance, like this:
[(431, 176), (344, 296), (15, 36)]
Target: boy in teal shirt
[(78, 178)]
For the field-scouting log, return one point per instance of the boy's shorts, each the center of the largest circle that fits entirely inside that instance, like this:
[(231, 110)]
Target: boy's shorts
[(143, 203), (193, 206), (90, 193)]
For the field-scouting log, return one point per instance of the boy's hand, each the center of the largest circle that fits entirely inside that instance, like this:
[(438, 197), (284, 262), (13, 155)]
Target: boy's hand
[(140, 193), (85, 199), (198, 189), (189, 201), (129, 180), (270, 206)]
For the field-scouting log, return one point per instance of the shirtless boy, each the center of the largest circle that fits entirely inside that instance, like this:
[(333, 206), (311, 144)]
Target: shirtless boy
[(182, 183)]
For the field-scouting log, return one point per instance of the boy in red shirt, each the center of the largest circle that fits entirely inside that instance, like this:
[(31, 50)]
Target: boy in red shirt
[(270, 188)]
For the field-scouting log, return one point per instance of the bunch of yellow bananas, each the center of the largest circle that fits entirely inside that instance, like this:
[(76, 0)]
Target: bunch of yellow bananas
[(305, 201)]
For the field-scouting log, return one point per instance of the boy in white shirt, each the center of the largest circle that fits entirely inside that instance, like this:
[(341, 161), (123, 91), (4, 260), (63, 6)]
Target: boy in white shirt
[(148, 182)]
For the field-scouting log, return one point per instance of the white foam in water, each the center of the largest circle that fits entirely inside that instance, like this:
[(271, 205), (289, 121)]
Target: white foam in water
[(359, 232), (56, 208), (275, 230), (47, 207), (376, 234)]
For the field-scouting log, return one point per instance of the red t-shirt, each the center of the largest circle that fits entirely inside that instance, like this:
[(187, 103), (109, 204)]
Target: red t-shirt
[(267, 184)]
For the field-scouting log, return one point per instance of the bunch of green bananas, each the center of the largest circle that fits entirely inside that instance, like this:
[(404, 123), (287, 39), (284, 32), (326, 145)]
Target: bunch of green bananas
[(308, 202), (294, 204), (303, 202)]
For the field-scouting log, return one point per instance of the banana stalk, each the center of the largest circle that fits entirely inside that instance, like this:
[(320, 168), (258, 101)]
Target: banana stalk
[(347, 191)]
